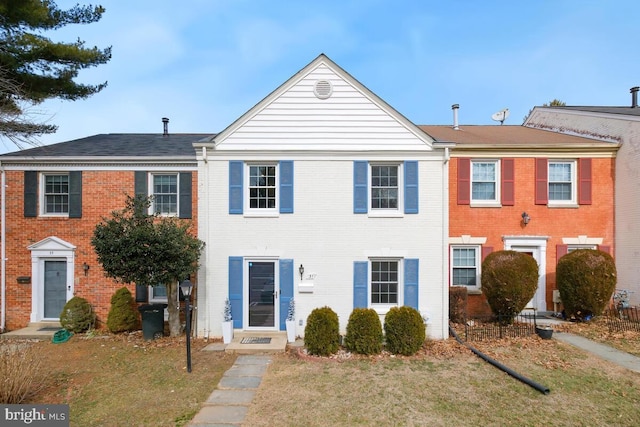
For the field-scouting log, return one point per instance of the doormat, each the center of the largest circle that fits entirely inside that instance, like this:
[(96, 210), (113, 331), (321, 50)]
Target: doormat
[(256, 340), (49, 329)]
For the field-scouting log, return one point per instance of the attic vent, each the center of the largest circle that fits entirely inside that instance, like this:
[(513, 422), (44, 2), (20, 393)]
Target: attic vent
[(323, 89)]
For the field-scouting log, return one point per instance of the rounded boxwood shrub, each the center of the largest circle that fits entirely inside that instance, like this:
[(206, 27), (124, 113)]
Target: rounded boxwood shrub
[(509, 281), (364, 332), (586, 279), (405, 331), (77, 315), (122, 315), (322, 333)]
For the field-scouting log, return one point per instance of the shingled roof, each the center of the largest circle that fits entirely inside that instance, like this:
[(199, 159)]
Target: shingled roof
[(117, 145)]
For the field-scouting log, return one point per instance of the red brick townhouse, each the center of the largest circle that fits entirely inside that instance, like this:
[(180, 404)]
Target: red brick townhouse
[(530, 190), (53, 197)]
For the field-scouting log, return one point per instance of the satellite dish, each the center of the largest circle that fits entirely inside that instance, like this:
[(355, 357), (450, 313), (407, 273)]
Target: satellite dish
[(501, 115)]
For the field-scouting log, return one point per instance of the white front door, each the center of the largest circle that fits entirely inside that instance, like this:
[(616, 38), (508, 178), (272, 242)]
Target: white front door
[(263, 295), (537, 248)]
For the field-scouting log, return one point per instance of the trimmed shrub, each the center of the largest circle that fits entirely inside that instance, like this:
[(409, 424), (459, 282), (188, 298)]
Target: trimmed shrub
[(364, 332), (586, 279), (404, 330), (122, 314), (22, 374), (457, 303), (77, 315), (509, 281), (322, 333)]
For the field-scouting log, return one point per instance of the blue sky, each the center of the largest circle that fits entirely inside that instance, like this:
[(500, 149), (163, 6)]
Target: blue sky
[(203, 63)]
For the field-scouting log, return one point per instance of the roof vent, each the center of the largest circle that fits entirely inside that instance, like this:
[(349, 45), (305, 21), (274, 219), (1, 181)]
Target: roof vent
[(165, 123), (634, 96), (322, 89), (455, 108)]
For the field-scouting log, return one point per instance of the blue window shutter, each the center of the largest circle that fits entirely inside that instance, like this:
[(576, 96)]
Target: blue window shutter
[(360, 284), (360, 186), (185, 195), (236, 169), (286, 186), (411, 194), (411, 282), (236, 266), (286, 290)]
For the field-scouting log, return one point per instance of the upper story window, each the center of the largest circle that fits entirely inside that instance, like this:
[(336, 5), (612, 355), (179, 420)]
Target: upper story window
[(55, 194), (170, 192), (562, 182), (484, 181), (384, 187), (165, 193), (465, 266), (262, 187)]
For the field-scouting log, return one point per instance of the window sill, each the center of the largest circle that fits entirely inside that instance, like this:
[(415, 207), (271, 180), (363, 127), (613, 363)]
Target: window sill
[(383, 309), (386, 214), (485, 205), (268, 214), (567, 205), (474, 292), (44, 215)]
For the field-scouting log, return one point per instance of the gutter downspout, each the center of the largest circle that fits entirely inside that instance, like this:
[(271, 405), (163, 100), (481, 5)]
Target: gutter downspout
[(3, 260)]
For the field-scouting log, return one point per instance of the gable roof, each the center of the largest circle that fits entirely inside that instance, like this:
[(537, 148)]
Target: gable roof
[(295, 116), (625, 111), (116, 146)]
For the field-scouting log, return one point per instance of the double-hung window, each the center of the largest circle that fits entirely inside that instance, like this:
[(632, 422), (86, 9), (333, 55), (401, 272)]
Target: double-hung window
[(485, 181), (263, 184), (384, 187), (56, 194), (465, 266), (384, 283), (562, 182), (165, 193)]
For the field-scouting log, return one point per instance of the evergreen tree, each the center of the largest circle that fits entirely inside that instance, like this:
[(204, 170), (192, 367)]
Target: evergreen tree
[(134, 246), (33, 68)]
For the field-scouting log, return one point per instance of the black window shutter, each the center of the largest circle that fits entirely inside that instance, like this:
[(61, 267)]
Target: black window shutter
[(141, 183), (185, 195), (30, 193), (75, 194)]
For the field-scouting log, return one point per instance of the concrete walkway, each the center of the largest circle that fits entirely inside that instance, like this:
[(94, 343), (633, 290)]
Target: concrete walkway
[(229, 402), (603, 351)]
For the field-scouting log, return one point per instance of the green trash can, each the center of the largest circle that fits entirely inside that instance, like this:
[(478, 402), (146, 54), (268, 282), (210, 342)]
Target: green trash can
[(152, 320)]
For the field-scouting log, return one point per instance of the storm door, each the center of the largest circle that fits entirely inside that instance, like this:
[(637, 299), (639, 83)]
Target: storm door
[(263, 295)]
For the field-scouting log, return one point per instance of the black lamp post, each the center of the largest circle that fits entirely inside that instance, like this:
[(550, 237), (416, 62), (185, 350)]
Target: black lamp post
[(186, 286)]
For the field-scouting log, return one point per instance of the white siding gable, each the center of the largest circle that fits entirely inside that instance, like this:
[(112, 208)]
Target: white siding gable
[(294, 118)]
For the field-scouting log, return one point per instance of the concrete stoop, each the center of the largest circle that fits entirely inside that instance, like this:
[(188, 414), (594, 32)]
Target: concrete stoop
[(278, 343), (229, 403), (34, 331)]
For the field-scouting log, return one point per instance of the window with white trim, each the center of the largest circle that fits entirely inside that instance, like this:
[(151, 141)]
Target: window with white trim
[(562, 182), (262, 187), (55, 193), (385, 283), (164, 193), (465, 266), (485, 181)]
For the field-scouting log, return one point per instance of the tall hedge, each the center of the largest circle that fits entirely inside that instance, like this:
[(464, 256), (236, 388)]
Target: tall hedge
[(364, 332), (586, 279), (404, 330), (322, 333), (122, 314), (509, 281)]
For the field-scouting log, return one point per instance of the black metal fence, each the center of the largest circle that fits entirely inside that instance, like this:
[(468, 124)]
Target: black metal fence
[(492, 327), (623, 319)]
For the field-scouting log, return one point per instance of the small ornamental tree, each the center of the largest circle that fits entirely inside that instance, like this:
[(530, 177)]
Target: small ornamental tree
[(509, 281), (586, 279), (134, 246)]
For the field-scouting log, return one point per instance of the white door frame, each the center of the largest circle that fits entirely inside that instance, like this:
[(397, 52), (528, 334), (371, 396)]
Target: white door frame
[(50, 249), (538, 247)]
